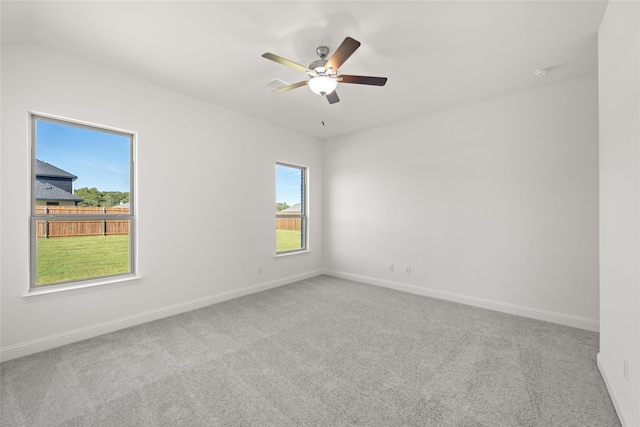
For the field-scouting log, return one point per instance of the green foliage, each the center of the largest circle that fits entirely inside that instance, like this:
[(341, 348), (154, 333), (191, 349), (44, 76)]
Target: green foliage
[(281, 206), (106, 199)]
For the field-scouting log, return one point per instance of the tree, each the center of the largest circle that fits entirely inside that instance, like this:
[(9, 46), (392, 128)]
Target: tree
[(91, 196), (106, 199), (280, 206)]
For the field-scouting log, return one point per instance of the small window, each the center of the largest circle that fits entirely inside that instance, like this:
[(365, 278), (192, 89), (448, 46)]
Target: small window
[(82, 217), (291, 209)]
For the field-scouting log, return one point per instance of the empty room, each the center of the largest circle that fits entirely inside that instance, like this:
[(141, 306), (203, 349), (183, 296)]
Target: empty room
[(317, 213)]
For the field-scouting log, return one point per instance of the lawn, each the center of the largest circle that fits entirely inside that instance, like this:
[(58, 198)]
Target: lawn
[(66, 259), (287, 240)]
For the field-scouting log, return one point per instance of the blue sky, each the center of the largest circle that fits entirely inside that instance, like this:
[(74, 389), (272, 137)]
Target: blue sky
[(288, 185), (101, 159), (98, 159)]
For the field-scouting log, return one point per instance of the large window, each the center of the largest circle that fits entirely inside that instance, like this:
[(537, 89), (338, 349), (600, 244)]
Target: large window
[(82, 217), (291, 208)]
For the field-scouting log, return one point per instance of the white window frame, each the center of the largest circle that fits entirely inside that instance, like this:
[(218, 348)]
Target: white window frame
[(304, 218), (81, 285)]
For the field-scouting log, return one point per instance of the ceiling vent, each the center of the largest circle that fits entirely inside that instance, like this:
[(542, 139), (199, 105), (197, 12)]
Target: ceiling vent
[(277, 83)]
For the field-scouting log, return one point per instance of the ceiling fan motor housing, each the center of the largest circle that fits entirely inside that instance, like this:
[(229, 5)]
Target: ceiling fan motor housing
[(317, 66)]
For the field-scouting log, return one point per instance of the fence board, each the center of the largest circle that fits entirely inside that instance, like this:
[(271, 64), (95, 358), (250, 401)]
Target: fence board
[(288, 223), (83, 210), (70, 228)]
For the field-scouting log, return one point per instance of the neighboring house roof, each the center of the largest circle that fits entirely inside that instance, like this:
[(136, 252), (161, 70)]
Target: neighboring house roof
[(47, 191), (44, 169), (294, 208)]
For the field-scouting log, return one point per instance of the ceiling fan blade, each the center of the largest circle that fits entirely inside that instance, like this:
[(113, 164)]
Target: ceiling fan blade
[(362, 80), (332, 97), (283, 61), (344, 51), (291, 86)]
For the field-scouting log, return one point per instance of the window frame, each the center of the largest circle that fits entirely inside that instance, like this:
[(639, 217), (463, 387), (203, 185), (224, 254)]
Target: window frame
[(34, 218), (303, 216)]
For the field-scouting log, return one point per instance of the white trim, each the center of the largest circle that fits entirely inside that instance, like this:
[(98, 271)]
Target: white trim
[(57, 340), (534, 313), (284, 254), (85, 284), (84, 123), (47, 292), (623, 414), (304, 212)]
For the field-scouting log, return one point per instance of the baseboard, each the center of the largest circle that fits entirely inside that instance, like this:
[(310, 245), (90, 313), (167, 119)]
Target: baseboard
[(534, 313), (46, 343), (614, 393), (53, 341)]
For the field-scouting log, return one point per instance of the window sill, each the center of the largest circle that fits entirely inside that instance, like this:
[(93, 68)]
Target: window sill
[(306, 251), (65, 290)]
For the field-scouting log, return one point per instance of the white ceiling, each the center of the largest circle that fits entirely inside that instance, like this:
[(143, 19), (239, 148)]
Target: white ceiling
[(437, 55)]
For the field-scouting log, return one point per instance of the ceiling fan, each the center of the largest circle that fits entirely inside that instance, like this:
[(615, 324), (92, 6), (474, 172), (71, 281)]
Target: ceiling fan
[(323, 73)]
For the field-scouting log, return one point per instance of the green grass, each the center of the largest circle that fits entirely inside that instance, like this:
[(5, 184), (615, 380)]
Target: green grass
[(287, 240), (66, 259)]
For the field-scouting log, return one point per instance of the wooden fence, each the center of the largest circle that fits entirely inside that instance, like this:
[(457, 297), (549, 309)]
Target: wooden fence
[(288, 223), (109, 227), (85, 227)]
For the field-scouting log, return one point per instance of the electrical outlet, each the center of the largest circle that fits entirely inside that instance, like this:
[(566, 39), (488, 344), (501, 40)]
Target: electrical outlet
[(407, 270), (391, 267), (625, 370)]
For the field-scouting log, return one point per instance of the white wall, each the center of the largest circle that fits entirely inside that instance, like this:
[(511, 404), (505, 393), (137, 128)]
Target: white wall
[(206, 170), (493, 204), (619, 72)]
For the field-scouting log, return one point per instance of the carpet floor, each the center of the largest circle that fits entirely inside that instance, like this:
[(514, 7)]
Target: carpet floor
[(319, 352)]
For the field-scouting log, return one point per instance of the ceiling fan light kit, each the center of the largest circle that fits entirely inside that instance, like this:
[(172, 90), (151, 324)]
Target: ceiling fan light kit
[(323, 73), (322, 85)]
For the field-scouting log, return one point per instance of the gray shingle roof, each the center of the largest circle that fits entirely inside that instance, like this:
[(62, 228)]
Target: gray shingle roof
[(45, 170), (46, 191), (294, 208)]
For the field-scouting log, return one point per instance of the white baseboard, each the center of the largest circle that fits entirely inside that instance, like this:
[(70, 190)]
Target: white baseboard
[(534, 313), (614, 393), (46, 343)]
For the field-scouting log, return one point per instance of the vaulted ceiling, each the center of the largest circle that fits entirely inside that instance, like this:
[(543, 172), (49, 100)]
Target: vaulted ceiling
[(437, 55)]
